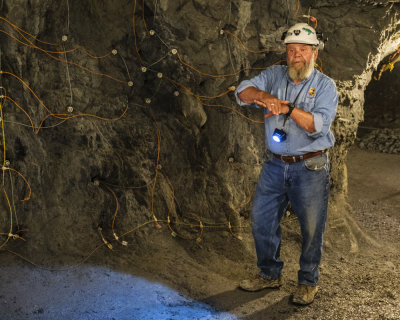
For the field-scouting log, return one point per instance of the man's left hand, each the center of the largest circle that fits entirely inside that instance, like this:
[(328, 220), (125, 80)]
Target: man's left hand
[(275, 108)]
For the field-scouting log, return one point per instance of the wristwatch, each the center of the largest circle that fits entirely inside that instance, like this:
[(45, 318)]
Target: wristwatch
[(291, 107)]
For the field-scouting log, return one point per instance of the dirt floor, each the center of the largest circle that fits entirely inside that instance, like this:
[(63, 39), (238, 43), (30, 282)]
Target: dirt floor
[(174, 279)]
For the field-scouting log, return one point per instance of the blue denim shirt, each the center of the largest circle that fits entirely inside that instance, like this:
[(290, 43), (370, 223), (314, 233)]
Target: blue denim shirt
[(317, 94)]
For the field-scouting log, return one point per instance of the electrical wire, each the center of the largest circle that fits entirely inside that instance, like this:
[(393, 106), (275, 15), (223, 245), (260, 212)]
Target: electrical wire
[(134, 33), (67, 1), (12, 199), (67, 117), (126, 66), (199, 225), (69, 79)]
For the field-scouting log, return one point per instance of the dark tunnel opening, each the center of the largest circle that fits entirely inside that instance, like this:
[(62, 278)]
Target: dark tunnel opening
[(381, 107), (380, 129)]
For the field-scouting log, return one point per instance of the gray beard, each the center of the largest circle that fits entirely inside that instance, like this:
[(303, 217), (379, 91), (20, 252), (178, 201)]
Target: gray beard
[(303, 73)]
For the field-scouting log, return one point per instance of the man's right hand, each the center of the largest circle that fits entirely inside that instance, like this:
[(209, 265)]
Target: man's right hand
[(276, 108), (264, 99)]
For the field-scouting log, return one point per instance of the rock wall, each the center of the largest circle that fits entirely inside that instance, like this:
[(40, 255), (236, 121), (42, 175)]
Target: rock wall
[(120, 114)]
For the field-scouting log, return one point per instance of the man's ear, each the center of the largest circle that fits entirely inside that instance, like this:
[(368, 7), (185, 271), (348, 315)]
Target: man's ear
[(315, 55)]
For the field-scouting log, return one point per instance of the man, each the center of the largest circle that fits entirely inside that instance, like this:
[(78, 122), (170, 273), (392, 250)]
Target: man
[(299, 106)]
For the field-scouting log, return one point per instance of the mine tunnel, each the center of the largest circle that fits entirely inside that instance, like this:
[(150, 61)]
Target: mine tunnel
[(380, 128), (130, 167), (381, 105)]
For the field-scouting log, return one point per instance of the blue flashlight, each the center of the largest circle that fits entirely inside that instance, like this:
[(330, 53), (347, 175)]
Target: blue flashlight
[(279, 135)]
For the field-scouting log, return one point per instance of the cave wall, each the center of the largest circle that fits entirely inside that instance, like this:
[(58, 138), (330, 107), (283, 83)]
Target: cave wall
[(181, 150)]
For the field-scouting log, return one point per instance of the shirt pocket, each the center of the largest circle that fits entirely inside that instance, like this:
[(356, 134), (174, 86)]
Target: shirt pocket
[(308, 104)]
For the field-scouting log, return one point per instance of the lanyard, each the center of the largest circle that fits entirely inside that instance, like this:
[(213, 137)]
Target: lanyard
[(287, 84), (300, 91)]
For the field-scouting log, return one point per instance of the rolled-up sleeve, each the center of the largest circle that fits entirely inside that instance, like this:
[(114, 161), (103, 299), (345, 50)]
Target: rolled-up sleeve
[(262, 81), (325, 109), (242, 86)]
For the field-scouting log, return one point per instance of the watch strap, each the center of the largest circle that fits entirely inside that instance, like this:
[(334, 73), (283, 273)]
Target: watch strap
[(291, 107)]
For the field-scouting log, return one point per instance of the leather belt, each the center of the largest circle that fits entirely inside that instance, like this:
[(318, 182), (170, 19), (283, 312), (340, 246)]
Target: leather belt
[(292, 159)]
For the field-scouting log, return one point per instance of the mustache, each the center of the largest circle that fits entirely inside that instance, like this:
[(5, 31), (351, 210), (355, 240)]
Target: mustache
[(291, 63), (300, 74)]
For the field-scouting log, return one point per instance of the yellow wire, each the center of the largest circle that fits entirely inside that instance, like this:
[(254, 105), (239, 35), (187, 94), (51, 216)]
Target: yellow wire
[(30, 120), (11, 219), (65, 116), (4, 139), (234, 110), (26, 181), (29, 88)]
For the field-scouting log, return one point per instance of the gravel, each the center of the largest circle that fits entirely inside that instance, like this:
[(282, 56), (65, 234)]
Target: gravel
[(381, 140)]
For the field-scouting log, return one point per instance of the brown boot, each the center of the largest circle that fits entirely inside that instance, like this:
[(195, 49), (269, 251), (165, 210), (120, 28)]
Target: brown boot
[(259, 283), (304, 294)]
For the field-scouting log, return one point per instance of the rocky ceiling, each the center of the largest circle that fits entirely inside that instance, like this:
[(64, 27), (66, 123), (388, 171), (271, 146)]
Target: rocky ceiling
[(117, 114)]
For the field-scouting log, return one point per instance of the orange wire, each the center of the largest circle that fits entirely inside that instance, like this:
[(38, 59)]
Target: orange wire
[(56, 52), (69, 62), (16, 39), (3, 139), (320, 65), (14, 235), (173, 193), (182, 86), (64, 116), (115, 212), (298, 7), (30, 120), (23, 82), (157, 165), (95, 57), (17, 28), (215, 97), (11, 220), (171, 206), (144, 20), (231, 108), (195, 95), (86, 69), (221, 75), (211, 75), (20, 31), (27, 183), (230, 228), (134, 31), (313, 19), (3, 168), (395, 54), (199, 234), (316, 22)]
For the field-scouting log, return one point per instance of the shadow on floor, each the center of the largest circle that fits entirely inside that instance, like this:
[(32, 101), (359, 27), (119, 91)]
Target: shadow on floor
[(234, 300)]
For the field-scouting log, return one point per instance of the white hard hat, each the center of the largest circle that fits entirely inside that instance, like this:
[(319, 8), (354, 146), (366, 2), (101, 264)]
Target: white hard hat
[(301, 33)]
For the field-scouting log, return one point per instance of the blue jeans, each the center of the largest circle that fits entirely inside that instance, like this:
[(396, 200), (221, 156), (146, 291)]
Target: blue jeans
[(306, 185)]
